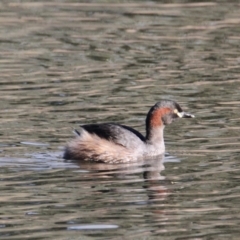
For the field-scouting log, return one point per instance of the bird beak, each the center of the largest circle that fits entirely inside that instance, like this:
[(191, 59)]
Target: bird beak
[(183, 114), (187, 115)]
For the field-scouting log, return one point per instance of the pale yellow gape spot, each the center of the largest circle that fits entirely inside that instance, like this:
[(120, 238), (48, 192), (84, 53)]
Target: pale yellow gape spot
[(178, 113)]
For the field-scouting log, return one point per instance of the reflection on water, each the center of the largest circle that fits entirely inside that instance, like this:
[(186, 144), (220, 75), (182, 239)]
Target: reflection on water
[(68, 63)]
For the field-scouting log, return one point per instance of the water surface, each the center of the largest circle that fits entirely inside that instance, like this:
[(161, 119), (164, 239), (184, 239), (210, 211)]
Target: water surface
[(63, 64)]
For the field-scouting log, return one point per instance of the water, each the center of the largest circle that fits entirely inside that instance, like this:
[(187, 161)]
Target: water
[(63, 64)]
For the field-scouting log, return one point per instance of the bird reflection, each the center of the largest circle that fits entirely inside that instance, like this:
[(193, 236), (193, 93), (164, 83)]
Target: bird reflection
[(148, 171)]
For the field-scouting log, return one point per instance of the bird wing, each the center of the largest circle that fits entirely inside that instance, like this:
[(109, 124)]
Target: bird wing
[(119, 134)]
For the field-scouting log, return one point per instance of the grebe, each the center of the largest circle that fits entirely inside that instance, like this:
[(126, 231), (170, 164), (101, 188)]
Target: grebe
[(115, 143)]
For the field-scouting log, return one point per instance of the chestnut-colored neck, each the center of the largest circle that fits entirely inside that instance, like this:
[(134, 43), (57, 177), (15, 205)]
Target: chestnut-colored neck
[(154, 125)]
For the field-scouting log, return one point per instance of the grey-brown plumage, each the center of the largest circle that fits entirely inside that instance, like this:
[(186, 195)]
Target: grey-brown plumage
[(115, 143)]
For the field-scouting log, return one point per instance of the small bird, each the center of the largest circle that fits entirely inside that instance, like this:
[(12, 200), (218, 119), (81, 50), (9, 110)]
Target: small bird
[(115, 143)]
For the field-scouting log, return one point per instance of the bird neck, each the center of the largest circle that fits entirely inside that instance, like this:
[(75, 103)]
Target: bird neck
[(155, 126), (154, 137)]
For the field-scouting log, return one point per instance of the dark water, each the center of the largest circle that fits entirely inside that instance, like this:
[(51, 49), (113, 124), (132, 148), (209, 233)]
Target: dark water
[(63, 64)]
